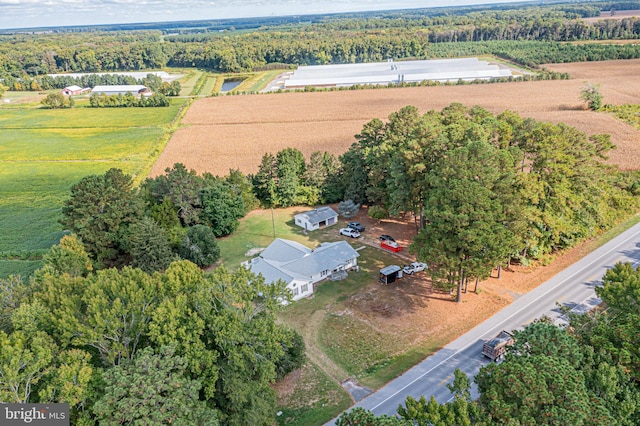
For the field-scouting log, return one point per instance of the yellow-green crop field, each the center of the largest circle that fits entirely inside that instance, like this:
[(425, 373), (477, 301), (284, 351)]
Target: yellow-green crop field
[(44, 152)]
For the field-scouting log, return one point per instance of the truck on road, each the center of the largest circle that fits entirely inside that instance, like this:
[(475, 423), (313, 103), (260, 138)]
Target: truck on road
[(496, 347)]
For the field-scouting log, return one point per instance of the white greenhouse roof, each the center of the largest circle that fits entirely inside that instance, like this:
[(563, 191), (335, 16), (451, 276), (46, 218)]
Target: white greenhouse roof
[(138, 75), (379, 73), (133, 88)]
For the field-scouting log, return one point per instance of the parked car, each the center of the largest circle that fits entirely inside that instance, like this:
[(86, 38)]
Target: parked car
[(349, 232), (356, 226), (385, 237), (414, 267)]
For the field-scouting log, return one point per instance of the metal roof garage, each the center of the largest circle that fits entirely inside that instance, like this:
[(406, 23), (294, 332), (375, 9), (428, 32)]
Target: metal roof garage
[(391, 72)]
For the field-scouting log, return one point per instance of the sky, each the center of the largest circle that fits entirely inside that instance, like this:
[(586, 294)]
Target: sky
[(54, 13)]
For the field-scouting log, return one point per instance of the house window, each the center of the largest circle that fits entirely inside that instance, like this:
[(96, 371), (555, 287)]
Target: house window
[(294, 290), (305, 288)]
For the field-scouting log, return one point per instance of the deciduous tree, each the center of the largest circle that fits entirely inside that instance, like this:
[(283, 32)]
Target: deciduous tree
[(200, 246), (153, 389), (149, 246), (222, 207), (99, 211)]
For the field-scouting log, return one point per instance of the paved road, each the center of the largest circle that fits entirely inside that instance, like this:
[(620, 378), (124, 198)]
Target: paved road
[(573, 287)]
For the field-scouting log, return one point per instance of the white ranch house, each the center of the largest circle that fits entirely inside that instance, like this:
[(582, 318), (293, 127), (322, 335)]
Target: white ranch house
[(317, 218), (300, 267)]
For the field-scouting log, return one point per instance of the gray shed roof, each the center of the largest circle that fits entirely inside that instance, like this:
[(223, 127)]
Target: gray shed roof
[(388, 270), (318, 215)]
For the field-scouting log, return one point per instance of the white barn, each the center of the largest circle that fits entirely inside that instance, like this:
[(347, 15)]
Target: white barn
[(317, 218), (301, 267)]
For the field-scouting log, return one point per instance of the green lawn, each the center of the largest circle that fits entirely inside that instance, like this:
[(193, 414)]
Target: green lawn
[(302, 407), (44, 152), (369, 356)]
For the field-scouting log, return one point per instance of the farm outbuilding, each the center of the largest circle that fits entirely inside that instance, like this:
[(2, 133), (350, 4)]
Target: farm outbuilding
[(123, 89), (73, 90), (317, 218), (392, 72), (390, 274)]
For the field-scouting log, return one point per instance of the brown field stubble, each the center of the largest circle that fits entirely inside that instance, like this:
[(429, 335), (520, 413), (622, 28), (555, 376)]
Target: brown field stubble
[(229, 132)]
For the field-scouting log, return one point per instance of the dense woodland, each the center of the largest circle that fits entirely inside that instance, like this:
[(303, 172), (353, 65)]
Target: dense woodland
[(26, 58)]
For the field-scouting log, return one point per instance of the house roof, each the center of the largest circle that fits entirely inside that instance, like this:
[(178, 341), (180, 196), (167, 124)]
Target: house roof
[(288, 260), (319, 214), (327, 257), (73, 88), (133, 88), (283, 251), (270, 272)]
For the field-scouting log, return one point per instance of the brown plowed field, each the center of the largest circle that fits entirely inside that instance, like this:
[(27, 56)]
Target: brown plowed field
[(229, 132)]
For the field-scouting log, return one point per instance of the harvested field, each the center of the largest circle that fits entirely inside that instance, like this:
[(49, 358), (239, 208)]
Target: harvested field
[(620, 14), (230, 132)]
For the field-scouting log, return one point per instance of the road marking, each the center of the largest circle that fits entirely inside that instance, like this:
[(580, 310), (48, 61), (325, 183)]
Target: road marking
[(446, 379), (506, 319)]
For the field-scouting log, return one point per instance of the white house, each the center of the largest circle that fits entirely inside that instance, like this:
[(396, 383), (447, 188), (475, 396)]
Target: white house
[(301, 267), (317, 218), (122, 89)]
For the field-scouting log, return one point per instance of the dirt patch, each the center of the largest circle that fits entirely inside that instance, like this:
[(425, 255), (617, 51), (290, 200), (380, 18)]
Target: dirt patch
[(233, 132), (254, 251)]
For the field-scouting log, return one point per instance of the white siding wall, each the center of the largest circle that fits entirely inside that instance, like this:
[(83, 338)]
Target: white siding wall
[(297, 289), (304, 224)]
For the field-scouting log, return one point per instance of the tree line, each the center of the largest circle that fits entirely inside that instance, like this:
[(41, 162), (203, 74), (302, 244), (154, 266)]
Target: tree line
[(102, 100), (584, 374), (485, 189), (177, 215), (25, 59)]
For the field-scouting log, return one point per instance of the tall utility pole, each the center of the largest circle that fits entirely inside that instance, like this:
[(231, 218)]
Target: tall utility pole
[(273, 223)]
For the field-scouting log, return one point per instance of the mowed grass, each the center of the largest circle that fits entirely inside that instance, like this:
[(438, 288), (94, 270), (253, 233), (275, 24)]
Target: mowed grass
[(256, 231), (44, 152), (369, 355), (301, 407)]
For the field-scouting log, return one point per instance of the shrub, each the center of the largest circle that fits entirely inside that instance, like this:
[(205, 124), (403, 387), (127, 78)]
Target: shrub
[(348, 209), (377, 212)]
